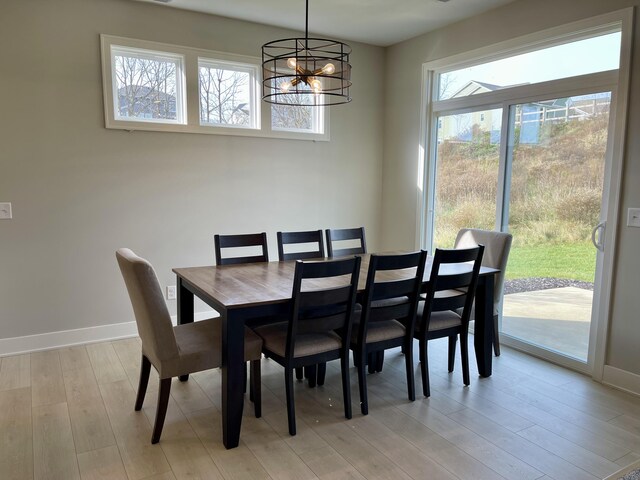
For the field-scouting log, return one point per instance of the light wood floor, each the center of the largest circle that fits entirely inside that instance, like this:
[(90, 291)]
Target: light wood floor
[(68, 414)]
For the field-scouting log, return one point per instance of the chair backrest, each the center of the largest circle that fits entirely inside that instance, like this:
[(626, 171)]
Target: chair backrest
[(291, 238), (324, 297), (344, 234), (151, 312), (452, 282), (237, 241), (392, 290), (497, 246)]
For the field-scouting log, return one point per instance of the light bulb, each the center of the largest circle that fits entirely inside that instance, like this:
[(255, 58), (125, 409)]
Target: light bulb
[(285, 86), (291, 63), (329, 69), (316, 85)]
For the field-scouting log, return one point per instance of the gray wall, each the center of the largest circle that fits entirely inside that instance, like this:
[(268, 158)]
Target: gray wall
[(400, 195), (79, 191)]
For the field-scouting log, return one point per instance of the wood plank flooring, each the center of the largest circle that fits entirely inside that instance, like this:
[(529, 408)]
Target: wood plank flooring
[(68, 414)]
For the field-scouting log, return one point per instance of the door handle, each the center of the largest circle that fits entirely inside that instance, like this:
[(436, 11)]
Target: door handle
[(601, 227)]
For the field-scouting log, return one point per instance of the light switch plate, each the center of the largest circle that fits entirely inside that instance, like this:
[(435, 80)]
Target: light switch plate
[(5, 211), (633, 218)]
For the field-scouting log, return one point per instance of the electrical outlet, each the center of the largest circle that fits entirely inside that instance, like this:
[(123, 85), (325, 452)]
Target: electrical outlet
[(5, 211), (171, 292), (633, 217)]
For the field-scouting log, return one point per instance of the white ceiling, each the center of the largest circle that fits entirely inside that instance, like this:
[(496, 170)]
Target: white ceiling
[(377, 22)]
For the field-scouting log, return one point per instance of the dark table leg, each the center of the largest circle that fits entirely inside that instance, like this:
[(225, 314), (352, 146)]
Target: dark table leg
[(185, 303), (483, 330), (185, 310), (232, 377)]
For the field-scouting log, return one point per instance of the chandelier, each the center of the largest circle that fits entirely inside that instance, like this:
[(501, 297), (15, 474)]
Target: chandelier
[(306, 71)]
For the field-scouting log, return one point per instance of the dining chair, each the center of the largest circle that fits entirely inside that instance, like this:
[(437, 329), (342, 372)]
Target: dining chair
[(313, 237), (449, 289), (314, 374), (244, 241), (180, 350), (343, 235), (388, 314), (319, 328), (497, 246), (353, 236)]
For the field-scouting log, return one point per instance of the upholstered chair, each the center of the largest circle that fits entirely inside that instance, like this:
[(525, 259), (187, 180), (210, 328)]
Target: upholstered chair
[(496, 253), (175, 351)]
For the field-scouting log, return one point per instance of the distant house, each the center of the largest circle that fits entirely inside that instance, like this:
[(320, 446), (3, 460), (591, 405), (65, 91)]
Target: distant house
[(145, 102), (529, 117), (462, 128)]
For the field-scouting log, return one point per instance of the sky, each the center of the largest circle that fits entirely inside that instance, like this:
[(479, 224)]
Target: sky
[(597, 54)]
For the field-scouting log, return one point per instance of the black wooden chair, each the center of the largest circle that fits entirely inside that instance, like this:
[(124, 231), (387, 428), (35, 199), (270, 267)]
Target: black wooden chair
[(356, 245), (450, 288), (388, 313), (241, 241), (312, 373), (343, 235), (297, 238), (325, 306)]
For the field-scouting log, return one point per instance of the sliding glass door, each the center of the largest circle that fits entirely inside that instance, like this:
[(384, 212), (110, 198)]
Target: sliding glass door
[(521, 144), (555, 176)]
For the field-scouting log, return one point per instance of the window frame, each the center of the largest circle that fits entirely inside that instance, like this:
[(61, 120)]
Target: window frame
[(158, 56), (254, 90), (191, 92)]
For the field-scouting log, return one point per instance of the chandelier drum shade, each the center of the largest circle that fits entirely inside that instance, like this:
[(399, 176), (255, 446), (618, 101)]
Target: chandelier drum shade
[(306, 71)]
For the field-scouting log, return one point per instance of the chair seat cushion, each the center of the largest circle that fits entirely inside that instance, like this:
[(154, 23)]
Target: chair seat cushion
[(275, 340), (438, 320), (379, 331), (200, 348)]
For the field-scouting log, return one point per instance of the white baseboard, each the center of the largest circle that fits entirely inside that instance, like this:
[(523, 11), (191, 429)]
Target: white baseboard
[(621, 379), (79, 336)]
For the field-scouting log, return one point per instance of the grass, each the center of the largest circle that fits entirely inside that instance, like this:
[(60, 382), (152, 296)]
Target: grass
[(576, 261)]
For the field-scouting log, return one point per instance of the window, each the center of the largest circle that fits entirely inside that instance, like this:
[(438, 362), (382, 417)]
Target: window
[(582, 57), (160, 87), (228, 94), (297, 119), (147, 85)]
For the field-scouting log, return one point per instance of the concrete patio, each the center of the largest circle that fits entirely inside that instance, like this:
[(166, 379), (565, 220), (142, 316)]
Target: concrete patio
[(557, 319)]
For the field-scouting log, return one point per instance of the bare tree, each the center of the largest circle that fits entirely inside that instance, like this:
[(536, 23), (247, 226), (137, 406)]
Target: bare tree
[(224, 97), (447, 82), (462, 125), (146, 88), (289, 114)]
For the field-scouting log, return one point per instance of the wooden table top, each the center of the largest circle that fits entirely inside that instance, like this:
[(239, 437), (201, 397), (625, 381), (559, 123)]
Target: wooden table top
[(253, 284)]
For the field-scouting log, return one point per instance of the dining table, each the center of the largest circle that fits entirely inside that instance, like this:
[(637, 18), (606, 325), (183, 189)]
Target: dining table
[(258, 293)]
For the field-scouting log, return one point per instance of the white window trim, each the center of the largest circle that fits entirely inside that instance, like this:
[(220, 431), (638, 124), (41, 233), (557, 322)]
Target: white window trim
[(191, 90), (615, 149)]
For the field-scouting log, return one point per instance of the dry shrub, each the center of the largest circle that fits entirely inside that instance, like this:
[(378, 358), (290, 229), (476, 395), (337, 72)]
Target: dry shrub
[(555, 190), (474, 214), (581, 206)]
